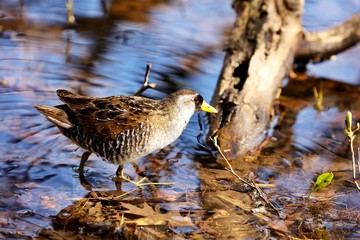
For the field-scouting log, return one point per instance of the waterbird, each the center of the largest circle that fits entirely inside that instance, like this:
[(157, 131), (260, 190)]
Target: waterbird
[(121, 129)]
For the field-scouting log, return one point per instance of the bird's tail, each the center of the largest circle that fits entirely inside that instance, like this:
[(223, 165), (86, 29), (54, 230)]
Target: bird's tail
[(55, 115)]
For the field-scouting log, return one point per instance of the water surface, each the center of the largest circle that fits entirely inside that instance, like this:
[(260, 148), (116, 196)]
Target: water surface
[(106, 53)]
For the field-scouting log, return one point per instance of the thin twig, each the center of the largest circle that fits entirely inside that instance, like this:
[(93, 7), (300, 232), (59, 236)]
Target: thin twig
[(230, 169), (252, 184), (358, 159), (264, 197), (146, 83), (356, 183), (351, 134), (353, 157)]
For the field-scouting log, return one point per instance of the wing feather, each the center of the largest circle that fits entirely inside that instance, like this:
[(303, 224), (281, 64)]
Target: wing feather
[(107, 117)]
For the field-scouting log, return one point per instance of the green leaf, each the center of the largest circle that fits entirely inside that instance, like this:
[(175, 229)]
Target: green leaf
[(322, 181)]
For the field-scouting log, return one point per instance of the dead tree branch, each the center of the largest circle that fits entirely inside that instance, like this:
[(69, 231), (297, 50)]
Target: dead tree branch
[(259, 54), (264, 43), (320, 46)]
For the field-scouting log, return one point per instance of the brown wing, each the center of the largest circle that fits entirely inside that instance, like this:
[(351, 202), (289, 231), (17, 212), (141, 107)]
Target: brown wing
[(104, 118)]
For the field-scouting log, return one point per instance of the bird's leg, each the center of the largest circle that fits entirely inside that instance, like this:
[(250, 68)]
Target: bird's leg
[(83, 181), (119, 171), (120, 174), (84, 158), (117, 178)]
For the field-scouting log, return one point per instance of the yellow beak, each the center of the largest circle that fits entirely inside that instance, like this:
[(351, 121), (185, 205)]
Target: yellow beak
[(208, 108)]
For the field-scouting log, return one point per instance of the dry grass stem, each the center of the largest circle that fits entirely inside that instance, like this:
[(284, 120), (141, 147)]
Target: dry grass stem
[(251, 184)]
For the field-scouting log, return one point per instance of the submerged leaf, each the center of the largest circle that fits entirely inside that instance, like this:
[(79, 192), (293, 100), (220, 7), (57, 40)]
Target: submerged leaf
[(152, 217), (322, 181)]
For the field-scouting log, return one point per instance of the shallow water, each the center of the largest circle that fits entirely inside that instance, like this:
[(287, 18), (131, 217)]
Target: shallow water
[(106, 54)]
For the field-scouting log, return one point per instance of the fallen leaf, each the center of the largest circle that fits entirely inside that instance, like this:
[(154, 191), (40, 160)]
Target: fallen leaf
[(280, 225), (236, 202), (96, 212), (151, 217)]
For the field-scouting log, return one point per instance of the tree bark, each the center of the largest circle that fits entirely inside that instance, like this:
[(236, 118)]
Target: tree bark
[(259, 54)]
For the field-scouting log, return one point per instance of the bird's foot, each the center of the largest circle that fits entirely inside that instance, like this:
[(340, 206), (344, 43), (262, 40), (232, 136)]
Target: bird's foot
[(142, 182)]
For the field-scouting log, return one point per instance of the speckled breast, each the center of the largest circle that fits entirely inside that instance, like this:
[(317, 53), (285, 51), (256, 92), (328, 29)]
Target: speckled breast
[(127, 146)]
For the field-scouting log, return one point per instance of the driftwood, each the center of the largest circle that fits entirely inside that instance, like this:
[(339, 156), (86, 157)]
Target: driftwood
[(266, 40)]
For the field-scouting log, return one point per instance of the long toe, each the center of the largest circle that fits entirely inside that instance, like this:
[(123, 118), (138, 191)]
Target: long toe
[(143, 181)]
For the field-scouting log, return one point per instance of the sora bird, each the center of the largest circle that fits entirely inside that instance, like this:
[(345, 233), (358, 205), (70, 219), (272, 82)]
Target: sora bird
[(121, 129)]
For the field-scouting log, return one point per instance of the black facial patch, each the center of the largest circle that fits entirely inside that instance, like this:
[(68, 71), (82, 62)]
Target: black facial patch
[(198, 101)]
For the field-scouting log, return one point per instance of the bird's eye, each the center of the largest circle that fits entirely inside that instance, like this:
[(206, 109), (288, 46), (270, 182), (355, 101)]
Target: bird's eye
[(198, 99)]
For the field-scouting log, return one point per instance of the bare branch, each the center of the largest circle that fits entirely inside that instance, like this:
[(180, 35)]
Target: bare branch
[(146, 83), (320, 46)]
